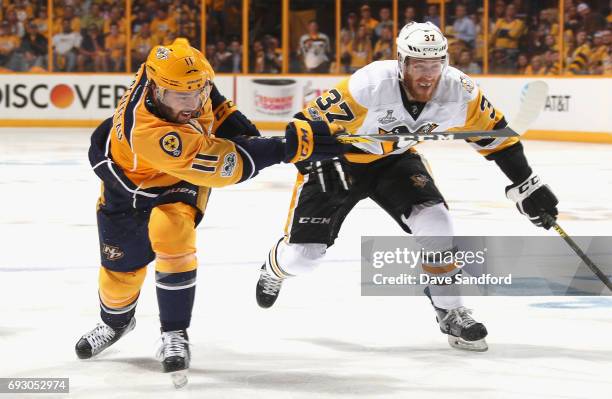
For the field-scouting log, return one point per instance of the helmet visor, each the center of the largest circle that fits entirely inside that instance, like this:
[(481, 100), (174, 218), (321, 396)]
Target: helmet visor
[(418, 68), (186, 100)]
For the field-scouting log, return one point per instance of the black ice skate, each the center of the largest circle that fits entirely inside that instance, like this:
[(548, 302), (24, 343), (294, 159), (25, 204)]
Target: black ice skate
[(100, 338), (175, 355), (463, 331), (268, 288)]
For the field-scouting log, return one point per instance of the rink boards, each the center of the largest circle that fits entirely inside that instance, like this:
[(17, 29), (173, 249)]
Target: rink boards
[(577, 108)]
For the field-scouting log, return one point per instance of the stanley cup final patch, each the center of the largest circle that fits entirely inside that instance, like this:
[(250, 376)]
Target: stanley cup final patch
[(171, 144)]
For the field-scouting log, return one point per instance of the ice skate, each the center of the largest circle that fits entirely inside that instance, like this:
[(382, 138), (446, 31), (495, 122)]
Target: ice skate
[(463, 331), (100, 338), (174, 355), (268, 288)]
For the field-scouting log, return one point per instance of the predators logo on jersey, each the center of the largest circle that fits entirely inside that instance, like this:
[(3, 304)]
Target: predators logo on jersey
[(171, 144)]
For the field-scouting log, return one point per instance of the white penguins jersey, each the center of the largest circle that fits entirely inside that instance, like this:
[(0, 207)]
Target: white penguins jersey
[(372, 101)]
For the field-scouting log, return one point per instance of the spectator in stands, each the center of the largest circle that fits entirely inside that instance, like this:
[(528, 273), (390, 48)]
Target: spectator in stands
[(65, 48), (211, 56), (236, 49), (33, 49), (499, 62), (572, 19), (507, 33), (16, 27), (360, 50), (345, 51), (351, 25), (222, 58), (581, 58), (600, 51), (92, 56), (385, 21), (115, 17), (75, 21), (314, 50), (367, 20), (142, 43), (499, 9), (188, 28), (590, 21), (521, 64), (274, 55), (9, 43), (409, 14), (258, 57), (551, 63), (433, 15), (466, 64), (536, 66), (383, 50), (464, 28), (162, 24), (115, 46), (42, 21), (94, 17), (142, 17)]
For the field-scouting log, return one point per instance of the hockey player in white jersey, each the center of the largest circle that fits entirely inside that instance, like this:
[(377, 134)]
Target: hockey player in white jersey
[(420, 93)]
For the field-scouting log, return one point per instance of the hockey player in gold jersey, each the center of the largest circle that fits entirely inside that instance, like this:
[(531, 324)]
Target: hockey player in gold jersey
[(171, 138), (418, 93)]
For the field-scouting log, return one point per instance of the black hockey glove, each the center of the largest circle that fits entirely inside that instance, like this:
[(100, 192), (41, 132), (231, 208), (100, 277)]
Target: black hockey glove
[(534, 200), (329, 174), (312, 141)]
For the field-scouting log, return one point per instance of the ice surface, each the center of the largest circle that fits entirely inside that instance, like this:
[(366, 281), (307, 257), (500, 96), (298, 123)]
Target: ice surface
[(322, 339)]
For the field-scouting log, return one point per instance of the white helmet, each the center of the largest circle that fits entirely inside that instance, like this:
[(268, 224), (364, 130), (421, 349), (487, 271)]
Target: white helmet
[(420, 40)]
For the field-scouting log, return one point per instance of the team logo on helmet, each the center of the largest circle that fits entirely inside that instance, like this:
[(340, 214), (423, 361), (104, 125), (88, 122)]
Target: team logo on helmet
[(467, 83), (162, 53), (171, 144)]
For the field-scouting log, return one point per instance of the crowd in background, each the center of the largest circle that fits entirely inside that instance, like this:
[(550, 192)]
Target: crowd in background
[(91, 35)]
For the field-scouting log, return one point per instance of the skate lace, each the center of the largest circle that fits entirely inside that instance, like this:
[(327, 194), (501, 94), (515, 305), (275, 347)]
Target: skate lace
[(271, 284), (460, 316), (100, 336), (173, 343)]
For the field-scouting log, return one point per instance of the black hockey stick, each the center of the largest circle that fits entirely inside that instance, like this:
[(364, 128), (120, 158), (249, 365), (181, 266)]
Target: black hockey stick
[(604, 279)]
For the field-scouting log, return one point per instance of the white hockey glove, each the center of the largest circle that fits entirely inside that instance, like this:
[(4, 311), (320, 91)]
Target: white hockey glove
[(534, 200)]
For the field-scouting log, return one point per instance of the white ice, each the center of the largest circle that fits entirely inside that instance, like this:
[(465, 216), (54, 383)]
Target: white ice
[(322, 339)]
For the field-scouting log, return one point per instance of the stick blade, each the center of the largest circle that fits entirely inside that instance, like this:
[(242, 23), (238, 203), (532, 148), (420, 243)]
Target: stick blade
[(533, 99)]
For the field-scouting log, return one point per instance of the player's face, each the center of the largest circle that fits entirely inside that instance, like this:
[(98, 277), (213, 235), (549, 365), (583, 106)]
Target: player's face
[(421, 77), (181, 106)]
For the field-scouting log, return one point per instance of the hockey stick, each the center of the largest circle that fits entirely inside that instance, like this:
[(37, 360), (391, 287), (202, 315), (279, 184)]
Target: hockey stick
[(604, 279), (532, 102)]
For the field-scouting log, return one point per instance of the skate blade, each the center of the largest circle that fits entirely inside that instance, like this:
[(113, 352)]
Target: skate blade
[(472, 346), (179, 378)]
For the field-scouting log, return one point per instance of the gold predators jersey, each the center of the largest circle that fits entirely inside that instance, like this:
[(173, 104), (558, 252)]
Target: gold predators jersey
[(153, 152), (372, 101)]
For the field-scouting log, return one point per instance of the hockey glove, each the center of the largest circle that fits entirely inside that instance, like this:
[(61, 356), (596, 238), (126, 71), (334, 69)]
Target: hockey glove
[(534, 200), (330, 175), (312, 141)]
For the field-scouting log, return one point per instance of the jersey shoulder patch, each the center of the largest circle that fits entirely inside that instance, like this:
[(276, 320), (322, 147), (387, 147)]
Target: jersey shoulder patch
[(171, 144), (459, 87)]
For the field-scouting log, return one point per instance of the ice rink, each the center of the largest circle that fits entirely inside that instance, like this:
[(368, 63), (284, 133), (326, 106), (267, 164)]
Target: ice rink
[(322, 339)]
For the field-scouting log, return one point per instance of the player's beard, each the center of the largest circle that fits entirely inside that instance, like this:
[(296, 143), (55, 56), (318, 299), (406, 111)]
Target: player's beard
[(422, 89)]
